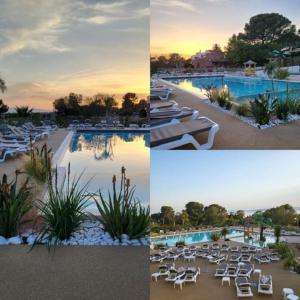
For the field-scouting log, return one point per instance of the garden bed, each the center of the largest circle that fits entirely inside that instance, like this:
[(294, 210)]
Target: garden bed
[(250, 120), (91, 234)]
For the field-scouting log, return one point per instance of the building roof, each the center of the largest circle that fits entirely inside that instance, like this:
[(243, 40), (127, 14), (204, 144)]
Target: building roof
[(250, 62)]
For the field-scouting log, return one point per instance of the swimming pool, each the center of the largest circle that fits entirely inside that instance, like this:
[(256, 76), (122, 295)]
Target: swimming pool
[(242, 88), (101, 154), (202, 237)]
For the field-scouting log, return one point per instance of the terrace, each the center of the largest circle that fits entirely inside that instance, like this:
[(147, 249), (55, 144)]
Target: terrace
[(234, 133), (208, 286)]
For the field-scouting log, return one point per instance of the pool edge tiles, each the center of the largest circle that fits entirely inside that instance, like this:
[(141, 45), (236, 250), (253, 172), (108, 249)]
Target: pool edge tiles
[(236, 234), (242, 92)]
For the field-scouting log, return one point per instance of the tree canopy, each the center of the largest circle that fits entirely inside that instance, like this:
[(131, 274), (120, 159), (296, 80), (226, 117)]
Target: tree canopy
[(262, 34), (195, 211), (3, 107)]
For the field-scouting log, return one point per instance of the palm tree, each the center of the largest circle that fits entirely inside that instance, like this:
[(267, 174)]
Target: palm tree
[(224, 232), (109, 103), (3, 87), (23, 111), (281, 54), (263, 223), (269, 70), (277, 233), (3, 107)]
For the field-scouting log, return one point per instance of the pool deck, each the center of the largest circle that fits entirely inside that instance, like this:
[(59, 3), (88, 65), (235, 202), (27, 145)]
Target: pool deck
[(53, 142), (74, 273), (208, 287), (235, 134)]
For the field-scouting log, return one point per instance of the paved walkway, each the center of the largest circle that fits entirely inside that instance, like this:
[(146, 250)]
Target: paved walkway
[(235, 134), (74, 273)]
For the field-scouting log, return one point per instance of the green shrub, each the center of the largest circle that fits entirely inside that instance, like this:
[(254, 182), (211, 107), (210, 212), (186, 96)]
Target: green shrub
[(215, 236), (277, 233), (282, 110), (211, 92), (228, 105), (297, 106), (292, 105), (242, 109), (290, 262), (281, 74), (64, 210), (271, 246), (14, 204), (284, 250), (121, 213), (159, 245), (261, 110), (180, 243), (39, 163)]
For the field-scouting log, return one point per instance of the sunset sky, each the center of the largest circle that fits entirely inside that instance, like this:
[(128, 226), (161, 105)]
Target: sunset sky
[(187, 26), (234, 179), (50, 48)]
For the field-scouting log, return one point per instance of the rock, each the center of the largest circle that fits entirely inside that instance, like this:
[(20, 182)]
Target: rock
[(124, 237), (3, 240), (16, 240), (31, 239)]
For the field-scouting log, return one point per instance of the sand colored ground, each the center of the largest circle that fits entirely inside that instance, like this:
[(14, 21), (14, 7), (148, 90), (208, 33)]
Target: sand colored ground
[(235, 134), (83, 273), (210, 288)]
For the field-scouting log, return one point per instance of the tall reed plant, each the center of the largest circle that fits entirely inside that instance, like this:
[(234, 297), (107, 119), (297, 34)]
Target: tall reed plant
[(120, 213), (39, 163), (14, 204), (64, 210)]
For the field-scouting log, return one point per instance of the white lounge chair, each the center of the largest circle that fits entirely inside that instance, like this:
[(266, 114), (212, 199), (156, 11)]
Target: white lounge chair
[(243, 287), (234, 249), (232, 270), (245, 270), (235, 257), (4, 153), (246, 257), (217, 260), (189, 256), (221, 270), (158, 258), (191, 275), (175, 275), (265, 285), (262, 258), (274, 256), (173, 136)]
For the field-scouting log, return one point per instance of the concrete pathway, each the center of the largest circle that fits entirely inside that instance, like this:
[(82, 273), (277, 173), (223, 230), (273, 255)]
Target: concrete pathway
[(74, 273)]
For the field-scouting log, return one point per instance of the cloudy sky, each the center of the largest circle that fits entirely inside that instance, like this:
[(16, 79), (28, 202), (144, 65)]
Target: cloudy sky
[(50, 48), (234, 179), (187, 26)]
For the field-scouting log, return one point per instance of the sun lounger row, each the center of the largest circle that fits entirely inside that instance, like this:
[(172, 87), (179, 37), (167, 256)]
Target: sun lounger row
[(179, 276), (243, 286), (17, 140), (234, 270), (75, 125), (162, 93)]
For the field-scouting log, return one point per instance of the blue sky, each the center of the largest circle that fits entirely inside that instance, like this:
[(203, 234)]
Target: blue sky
[(187, 26), (50, 48), (233, 179)]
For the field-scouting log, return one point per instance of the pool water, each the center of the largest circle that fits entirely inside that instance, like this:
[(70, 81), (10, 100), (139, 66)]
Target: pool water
[(202, 237), (102, 154), (241, 88)]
